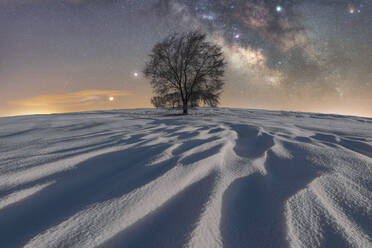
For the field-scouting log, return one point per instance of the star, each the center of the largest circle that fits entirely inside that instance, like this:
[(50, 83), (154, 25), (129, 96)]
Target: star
[(135, 74), (279, 8), (208, 17), (111, 98)]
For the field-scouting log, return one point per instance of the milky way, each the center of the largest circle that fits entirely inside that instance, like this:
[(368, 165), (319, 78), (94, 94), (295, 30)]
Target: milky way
[(305, 42), (305, 55)]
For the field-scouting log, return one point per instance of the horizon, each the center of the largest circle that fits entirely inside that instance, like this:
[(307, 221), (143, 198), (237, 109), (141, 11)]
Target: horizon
[(66, 56), (193, 109)]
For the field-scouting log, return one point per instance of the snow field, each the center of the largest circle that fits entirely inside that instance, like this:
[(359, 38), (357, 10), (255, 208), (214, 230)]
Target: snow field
[(215, 178)]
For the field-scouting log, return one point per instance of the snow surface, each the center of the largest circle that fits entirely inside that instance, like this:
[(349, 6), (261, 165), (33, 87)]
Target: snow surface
[(215, 178)]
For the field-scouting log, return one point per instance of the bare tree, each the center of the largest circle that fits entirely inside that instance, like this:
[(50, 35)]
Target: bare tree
[(185, 71)]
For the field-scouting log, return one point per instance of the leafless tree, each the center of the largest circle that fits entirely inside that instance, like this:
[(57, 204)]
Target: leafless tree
[(186, 70)]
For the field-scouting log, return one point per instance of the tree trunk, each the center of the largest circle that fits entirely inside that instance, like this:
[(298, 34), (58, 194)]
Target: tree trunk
[(185, 108)]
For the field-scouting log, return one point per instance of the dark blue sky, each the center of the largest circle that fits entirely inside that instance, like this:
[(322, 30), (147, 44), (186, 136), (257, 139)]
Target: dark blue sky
[(72, 55)]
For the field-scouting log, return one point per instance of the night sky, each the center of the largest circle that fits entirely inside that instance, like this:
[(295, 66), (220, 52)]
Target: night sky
[(76, 55)]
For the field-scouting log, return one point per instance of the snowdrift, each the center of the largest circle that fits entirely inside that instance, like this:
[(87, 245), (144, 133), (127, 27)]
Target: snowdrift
[(216, 178)]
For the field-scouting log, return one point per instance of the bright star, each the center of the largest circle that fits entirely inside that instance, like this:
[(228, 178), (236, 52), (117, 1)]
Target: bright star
[(279, 8), (135, 74), (111, 98), (237, 36)]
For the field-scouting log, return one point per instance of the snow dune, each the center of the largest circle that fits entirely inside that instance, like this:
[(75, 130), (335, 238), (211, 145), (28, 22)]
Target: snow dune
[(216, 178)]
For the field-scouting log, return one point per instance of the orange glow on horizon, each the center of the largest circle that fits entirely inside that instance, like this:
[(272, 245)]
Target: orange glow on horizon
[(91, 100), (78, 97), (79, 101)]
